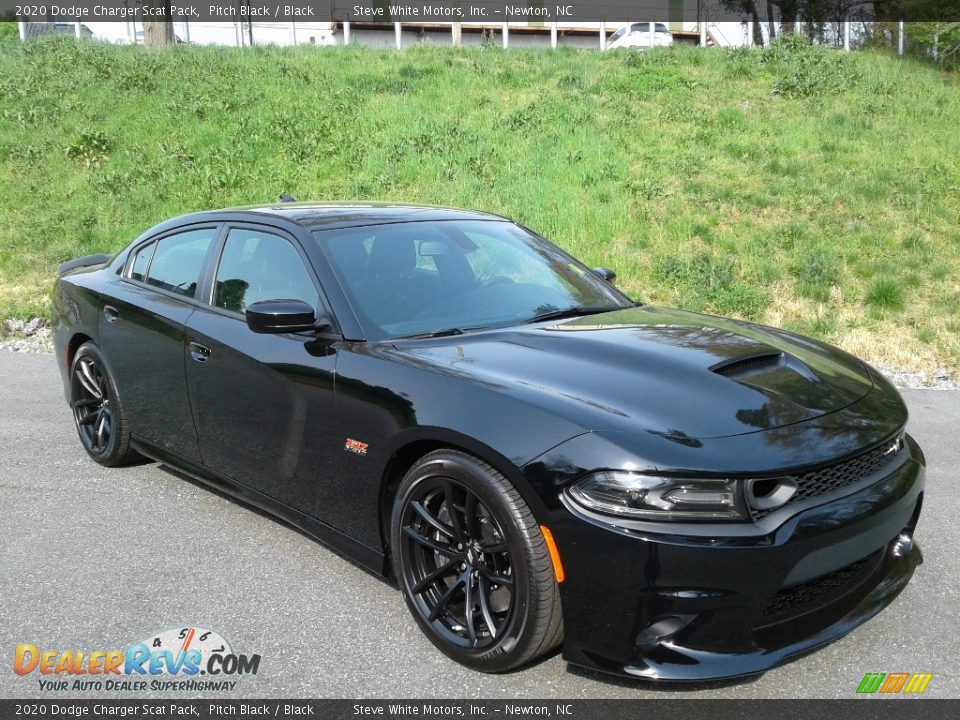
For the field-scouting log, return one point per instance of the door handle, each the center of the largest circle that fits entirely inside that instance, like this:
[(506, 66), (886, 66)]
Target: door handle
[(199, 352), (110, 313)]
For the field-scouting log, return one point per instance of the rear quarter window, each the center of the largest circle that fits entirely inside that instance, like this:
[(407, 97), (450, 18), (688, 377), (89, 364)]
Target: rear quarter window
[(141, 261)]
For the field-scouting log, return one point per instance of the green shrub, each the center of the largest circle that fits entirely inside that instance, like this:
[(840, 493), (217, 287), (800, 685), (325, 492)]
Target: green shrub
[(90, 147), (803, 70), (816, 270), (885, 293)]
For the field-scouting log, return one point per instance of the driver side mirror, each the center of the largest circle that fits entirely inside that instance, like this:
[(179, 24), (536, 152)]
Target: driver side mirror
[(283, 316), (604, 274)]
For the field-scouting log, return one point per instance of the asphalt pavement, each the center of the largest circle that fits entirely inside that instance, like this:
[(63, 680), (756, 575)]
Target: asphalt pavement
[(95, 558)]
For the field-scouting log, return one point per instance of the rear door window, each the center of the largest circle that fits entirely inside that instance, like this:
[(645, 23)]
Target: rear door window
[(178, 261)]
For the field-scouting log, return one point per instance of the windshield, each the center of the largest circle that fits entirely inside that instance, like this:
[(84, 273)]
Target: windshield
[(418, 278)]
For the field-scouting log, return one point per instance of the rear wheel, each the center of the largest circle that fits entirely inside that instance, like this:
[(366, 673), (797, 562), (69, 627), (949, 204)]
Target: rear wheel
[(473, 565), (97, 411)]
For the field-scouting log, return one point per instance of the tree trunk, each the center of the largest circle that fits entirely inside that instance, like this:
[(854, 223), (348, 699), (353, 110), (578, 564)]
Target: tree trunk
[(157, 33), (771, 25), (788, 16), (757, 38)]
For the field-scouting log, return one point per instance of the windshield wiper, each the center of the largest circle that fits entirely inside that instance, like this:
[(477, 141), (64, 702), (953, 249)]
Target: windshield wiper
[(433, 333), (575, 311), (446, 332)]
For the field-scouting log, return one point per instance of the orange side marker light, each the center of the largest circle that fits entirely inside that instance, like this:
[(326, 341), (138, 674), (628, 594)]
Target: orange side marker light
[(554, 553)]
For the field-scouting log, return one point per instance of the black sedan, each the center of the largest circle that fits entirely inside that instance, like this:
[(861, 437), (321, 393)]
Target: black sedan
[(445, 397)]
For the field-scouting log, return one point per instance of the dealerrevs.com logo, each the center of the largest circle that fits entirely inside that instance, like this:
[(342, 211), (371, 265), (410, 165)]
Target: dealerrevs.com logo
[(178, 659)]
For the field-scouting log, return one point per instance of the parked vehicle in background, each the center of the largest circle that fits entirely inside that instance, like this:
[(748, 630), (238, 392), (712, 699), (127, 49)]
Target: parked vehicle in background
[(36, 29), (637, 35)]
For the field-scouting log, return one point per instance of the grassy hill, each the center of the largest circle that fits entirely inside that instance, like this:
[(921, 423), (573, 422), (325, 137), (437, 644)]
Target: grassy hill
[(799, 187)]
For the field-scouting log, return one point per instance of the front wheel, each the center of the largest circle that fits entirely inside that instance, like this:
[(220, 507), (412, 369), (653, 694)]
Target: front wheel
[(97, 412), (473, 564)]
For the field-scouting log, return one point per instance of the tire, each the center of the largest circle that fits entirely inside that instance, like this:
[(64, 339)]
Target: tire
[(97, 410), (489, 555)]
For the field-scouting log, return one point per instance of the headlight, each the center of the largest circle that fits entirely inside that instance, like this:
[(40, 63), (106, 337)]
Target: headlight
[(651, 497)]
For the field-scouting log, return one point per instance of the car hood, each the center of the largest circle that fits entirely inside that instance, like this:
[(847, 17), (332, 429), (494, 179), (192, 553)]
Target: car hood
[(670, 372)]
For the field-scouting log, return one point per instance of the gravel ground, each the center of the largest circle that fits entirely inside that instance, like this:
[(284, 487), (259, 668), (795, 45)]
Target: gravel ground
[(33, 336), (908, 380)]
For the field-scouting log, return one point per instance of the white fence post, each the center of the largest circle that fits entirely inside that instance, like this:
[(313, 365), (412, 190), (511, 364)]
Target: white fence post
[(750, 33), (456, 34), (846, 35), (553, 35), (346, 33), (653, 34), (76, 30), (22, 27), (900, 43), (506, 35), (603, 35), (397, 31), (236, 31), (186, 32), (293, 33), (703, 33)]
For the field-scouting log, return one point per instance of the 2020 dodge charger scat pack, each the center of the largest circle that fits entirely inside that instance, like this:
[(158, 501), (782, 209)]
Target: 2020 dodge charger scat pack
[(445, 397)]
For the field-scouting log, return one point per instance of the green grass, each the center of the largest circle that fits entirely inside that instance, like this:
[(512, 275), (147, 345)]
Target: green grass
[(806, 188), (886, 293)]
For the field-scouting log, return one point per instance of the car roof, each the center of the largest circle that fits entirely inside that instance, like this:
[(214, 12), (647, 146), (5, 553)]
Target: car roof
[(331, 215)]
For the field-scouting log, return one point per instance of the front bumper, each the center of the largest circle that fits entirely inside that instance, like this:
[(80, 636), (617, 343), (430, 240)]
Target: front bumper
[(689, 608)]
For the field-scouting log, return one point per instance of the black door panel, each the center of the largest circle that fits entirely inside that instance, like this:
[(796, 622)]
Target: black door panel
[(264, 414), (141, 334), (263, 404)]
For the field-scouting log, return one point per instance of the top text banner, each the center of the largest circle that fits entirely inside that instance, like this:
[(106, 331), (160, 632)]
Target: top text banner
[(475, 11)]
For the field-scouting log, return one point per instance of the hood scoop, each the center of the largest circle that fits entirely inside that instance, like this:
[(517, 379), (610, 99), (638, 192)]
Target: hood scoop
[(749, 364)]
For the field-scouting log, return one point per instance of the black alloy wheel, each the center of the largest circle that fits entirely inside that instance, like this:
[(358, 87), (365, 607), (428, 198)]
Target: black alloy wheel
[(91, 406), (96, 409), (473, 564), (459, 568)]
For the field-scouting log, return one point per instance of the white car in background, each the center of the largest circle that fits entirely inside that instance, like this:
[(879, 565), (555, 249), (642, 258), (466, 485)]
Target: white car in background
[(637, 35)]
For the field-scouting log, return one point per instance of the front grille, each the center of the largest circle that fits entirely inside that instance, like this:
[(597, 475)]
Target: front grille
[(833, 477), (796, 599)]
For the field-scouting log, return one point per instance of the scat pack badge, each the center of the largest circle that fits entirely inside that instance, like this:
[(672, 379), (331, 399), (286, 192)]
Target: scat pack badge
[(355, 446), (174, 659)]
